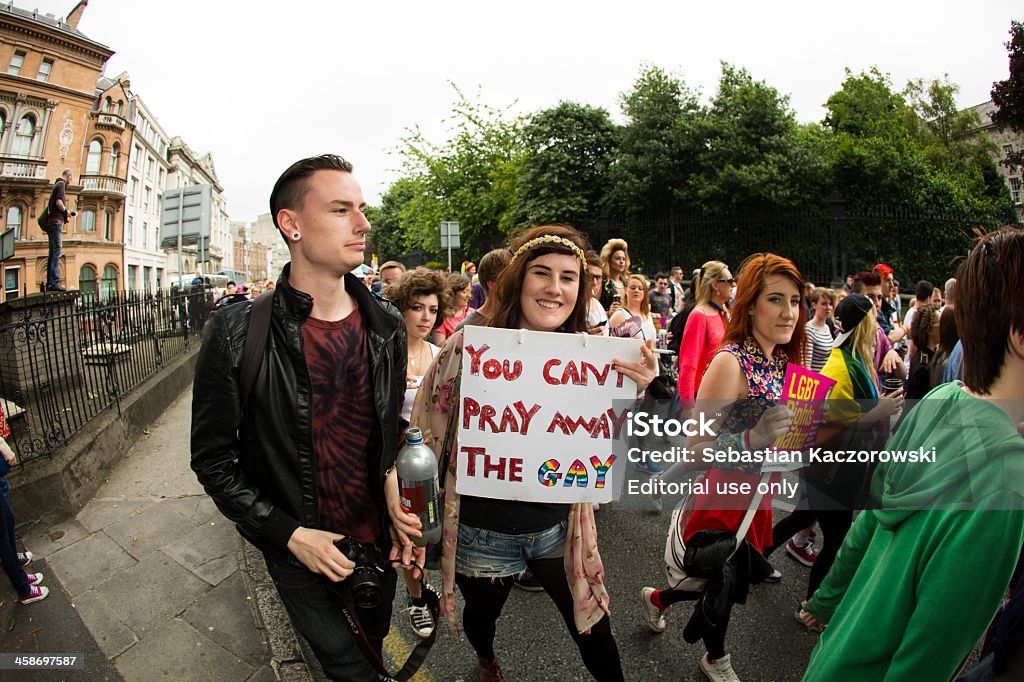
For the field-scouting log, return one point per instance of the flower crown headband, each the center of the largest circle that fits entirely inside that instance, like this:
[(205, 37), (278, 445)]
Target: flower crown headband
[(549, 239)]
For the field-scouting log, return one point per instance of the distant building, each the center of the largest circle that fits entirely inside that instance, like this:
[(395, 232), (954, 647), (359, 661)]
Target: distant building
[(57, 112), (189, 168), (148, 168), (1007, 142), (264, 232), (250, 256)]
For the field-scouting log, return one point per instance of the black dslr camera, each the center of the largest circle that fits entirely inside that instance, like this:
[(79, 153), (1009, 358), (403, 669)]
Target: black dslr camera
[(365, 579)]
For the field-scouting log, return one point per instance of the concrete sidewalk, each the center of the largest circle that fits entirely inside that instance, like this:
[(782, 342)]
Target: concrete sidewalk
[(150, 581)]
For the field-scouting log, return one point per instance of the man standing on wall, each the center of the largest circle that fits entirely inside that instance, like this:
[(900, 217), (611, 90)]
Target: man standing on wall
[(57, 216)]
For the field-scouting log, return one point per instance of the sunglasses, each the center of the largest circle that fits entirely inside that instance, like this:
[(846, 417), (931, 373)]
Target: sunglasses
[(728, 281)]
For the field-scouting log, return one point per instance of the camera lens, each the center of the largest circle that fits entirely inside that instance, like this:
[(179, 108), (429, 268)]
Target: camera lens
[(366, 588)]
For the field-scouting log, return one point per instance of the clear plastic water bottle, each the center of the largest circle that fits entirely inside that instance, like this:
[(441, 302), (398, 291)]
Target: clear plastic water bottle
[(418, 486)]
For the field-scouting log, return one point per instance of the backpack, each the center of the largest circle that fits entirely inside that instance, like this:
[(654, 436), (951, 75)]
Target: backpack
[(677, 326), (43, 219), (255, 342)]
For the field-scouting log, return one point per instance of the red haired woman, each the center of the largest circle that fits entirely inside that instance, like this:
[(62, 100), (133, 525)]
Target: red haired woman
[(743, 382)]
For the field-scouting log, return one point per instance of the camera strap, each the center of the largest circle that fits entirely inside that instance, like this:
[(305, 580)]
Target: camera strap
[(419, 652)]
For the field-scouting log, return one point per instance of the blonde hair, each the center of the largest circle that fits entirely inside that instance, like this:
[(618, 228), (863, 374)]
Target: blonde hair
[(607, 251), (862, 342), (645, 303), (704, 277)]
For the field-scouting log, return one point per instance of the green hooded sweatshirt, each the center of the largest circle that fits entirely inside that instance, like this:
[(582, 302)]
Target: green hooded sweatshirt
[(919, 578)]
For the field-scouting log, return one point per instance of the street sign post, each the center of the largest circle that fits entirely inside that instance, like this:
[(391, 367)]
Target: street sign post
[(450, 239)]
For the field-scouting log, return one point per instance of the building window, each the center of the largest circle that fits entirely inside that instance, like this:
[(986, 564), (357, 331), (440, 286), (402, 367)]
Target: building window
[(1015, 190), (17, 61), (129, 231), (44, 70), (108, 286), (108, 226), (12, 282), (23, 136), (145, 235), (149, 167), (88, 220), (145, 199), (138, 155), (1007, 151), (129, 280), (160, 182), (14, 220), (131, 191), (115, 151), (106, 105), (92, 162), (3, 126), (87, 282), (159, 278), (120, 107), (147, 274)]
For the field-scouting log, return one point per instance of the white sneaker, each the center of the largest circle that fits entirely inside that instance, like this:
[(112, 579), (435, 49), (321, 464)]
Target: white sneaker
[(420, 619), (653, 616), (719, 671)]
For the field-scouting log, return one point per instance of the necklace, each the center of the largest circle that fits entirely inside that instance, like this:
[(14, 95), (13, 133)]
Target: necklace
[(416, 362), (721, 311)]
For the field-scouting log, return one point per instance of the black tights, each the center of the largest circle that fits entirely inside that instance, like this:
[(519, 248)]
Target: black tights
[(714, 638), (485, 598), (835, 524)]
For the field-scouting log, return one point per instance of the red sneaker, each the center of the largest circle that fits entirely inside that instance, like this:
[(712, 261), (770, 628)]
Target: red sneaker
[(804, 555)]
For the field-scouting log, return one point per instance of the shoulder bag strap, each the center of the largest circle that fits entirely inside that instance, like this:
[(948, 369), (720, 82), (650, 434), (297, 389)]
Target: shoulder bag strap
[(748, 518), (255, 341)]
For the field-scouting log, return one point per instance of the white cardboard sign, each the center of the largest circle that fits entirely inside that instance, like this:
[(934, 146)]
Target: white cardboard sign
[(537, 421)]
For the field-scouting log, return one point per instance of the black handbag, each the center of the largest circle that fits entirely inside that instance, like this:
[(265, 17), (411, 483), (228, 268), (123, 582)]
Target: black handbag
[(706, 553), (661, 388)]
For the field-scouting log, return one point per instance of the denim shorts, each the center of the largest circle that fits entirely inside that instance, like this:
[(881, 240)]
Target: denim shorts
[(489, 554)]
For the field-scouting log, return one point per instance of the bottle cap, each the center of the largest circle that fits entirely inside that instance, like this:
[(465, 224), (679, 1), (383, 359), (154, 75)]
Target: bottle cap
[(414, 436)]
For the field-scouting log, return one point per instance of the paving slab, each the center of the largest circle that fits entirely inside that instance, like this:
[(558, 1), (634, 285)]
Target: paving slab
[(216, 615), (198, 508), (153, 590), (210, 550), (89, 562), (112, 636), (100, 513), (149, 530), (177, 651), (55, 538)]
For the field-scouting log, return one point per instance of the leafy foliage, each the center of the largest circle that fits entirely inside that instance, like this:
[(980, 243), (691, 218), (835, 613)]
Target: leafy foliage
[(1008, 95)]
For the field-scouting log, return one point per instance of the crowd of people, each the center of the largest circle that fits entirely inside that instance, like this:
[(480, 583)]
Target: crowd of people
[(305, 462)]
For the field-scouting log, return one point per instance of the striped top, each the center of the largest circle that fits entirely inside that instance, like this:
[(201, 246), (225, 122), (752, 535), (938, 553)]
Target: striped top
[(819, 346)]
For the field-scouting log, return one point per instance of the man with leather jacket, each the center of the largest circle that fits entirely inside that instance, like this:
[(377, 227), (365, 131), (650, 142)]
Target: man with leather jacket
[(307, 457)]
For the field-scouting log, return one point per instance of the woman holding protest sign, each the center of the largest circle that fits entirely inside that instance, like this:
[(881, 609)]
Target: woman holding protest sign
[(488, 541), (744, 381)]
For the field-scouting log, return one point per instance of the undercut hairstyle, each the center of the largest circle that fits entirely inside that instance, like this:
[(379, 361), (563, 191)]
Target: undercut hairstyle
[(863, 280), (989, 305), (392, 264), (754, 272), (508, 311), (291, 188), (924, 291), (413, 284), (950, 290), (661, 275), (491, 265), (921, 327)]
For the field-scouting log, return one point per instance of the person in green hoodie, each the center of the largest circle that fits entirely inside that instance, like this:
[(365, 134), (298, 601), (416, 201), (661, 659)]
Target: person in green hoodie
[(921, 574)]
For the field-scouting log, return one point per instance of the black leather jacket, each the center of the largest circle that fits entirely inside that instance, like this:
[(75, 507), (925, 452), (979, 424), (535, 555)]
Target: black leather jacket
[(260, 468)]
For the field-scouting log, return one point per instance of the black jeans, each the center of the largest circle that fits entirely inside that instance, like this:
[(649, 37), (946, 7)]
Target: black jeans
[(53, 256), (485, 598), (316, 613)]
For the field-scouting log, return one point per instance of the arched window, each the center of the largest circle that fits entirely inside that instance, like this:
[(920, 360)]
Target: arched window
[(108, 226), (108, 285), (92, 162), (120, 107), (3, 125), (106, 105), (23, 136), (87, 282), (88, 220), (115, 151), (14, 220)]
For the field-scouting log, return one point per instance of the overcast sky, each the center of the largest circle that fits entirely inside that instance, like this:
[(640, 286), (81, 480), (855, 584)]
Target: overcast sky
[(263, 84)]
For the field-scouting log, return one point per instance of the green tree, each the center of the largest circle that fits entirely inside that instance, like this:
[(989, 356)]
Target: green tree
[(471, 178), (1008, 95), (658, 146), (754, 155), (564, 174), (387, 236)]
